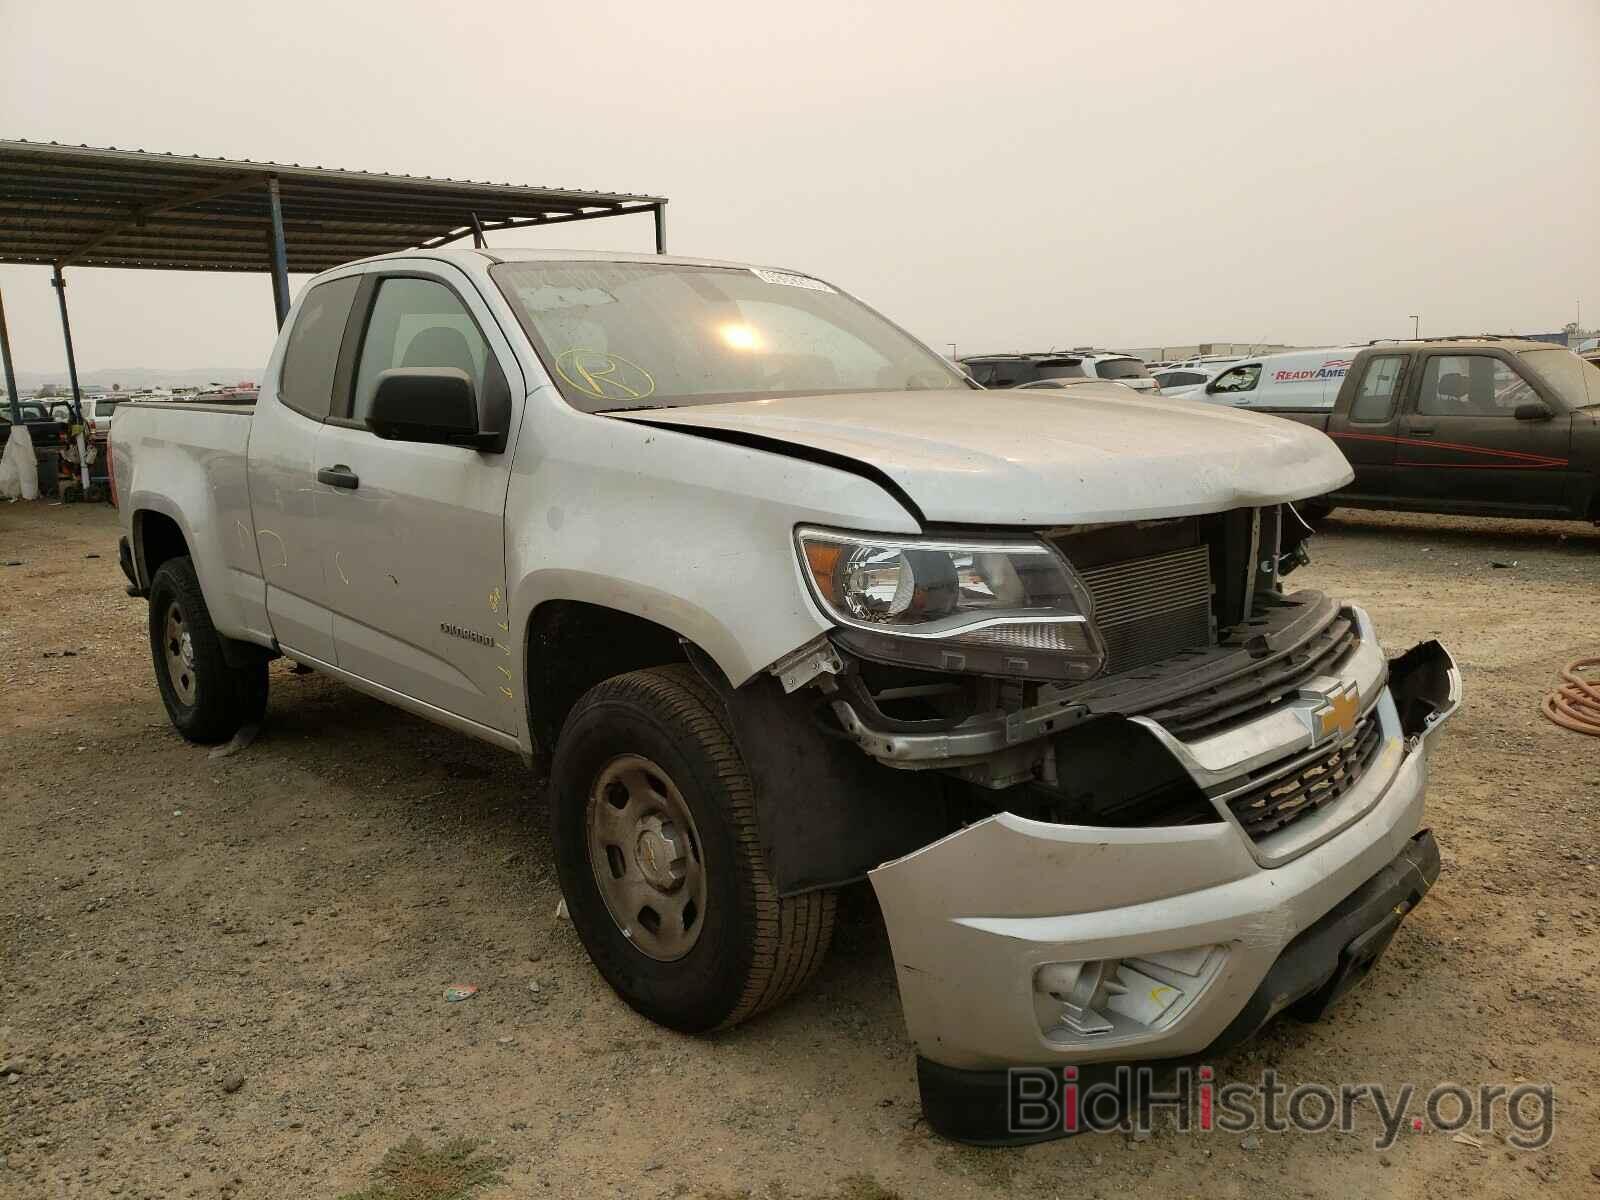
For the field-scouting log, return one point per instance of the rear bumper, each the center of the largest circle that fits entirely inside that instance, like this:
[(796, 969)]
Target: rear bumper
[(1208, 932)]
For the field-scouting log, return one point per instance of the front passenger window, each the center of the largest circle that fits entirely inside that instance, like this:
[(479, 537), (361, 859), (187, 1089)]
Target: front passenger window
[(1471, 385), (417, 323)]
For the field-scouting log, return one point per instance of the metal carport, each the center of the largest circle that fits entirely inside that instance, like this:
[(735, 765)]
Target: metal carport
[(64, 206)]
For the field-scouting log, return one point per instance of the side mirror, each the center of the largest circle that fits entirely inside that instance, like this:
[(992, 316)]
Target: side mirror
[(436, 405), (1536, 410)]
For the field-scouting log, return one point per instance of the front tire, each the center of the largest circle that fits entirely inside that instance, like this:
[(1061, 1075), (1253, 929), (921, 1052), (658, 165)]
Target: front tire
[(206, 699), (653, 821)]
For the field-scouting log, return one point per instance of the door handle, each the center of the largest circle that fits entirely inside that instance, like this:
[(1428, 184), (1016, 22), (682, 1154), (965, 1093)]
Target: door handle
[(339, 476), (1421, 431)]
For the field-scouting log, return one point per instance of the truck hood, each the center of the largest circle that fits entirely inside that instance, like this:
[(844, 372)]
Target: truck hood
[(1094, 453)]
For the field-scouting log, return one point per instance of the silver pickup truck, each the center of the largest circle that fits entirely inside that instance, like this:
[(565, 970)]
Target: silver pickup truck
[(784, 601)]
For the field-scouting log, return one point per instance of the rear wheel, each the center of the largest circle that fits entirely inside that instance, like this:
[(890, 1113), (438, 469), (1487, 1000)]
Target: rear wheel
[(207, 699), (653, 819)]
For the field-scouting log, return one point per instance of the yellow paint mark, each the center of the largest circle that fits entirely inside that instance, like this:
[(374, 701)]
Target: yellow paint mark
[(1155, 993), (338, 565), (504, 649), (503, 671), (283, 550), (506, 692), (494, 599), (504, 627), (604, 376)]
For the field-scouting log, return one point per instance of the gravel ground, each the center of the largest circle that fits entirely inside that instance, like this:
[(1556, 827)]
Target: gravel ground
[(226, 976)]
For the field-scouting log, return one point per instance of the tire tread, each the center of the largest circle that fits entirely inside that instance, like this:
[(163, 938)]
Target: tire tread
[(792, 934)]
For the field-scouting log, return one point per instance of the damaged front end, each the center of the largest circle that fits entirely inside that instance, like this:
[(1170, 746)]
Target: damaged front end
[(1140, 865)]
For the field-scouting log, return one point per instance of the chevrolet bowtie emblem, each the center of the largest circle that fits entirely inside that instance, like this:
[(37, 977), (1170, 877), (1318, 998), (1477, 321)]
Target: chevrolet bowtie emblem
[(1338, 716)]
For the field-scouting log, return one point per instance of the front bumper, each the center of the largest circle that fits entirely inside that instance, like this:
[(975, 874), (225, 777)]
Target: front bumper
[(974, 917), (1314, 970)]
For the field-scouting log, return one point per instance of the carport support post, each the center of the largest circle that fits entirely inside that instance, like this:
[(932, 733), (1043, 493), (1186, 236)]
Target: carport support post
[(11, 375), (280, 254), (661, 227), (60, 284)]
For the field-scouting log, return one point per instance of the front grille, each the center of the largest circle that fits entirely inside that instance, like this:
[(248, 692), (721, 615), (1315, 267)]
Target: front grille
[(1253, 692), (1284, 796), (1148, 609)]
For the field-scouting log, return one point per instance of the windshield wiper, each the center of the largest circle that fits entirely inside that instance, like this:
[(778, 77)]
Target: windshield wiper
[(627, 408)]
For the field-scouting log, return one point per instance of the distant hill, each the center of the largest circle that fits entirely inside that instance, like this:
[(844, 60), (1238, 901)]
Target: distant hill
[(133, 379)]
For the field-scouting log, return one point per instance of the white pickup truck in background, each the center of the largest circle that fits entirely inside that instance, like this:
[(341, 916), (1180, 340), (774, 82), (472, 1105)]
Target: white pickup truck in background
[(784, 602)]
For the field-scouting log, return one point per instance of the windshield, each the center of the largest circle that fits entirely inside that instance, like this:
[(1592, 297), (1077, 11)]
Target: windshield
[(617, 335), (1121, 368), (1576, 381)]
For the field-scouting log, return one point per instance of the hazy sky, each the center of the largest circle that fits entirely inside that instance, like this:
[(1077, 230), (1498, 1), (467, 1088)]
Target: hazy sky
[(1000, 175)]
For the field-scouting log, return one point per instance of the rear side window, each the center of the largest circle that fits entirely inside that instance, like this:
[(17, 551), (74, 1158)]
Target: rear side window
[(417, 323), (1471, 385), (306, 382), (1062, 368), (1121, 368), (1380, 383), (1004, 373)]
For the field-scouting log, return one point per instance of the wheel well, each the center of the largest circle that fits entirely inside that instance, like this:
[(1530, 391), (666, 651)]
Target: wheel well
[(156, 538), (572, 646)]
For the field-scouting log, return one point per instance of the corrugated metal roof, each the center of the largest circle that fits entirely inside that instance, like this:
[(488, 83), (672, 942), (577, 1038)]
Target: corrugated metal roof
[(129, 208)]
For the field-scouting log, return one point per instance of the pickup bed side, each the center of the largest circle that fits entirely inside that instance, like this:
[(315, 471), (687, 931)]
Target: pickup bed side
[(181, 479)]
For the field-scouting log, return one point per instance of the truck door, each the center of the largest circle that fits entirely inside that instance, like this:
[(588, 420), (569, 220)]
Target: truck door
[(415, 546), (1368, 431), (281, 470), (1461, 444)]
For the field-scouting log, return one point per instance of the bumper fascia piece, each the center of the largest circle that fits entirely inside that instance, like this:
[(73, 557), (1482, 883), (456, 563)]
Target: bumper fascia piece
[(125, 561), (1314, 970), (973, 916)]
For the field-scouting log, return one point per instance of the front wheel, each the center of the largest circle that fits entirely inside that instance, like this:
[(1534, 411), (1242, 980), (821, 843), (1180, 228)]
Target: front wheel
[(206, 699), (653, 820)]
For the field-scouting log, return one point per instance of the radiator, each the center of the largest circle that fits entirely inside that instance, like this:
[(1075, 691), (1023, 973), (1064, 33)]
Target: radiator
[(1148, 609)]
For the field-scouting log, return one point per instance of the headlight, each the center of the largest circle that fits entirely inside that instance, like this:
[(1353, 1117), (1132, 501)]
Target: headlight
[(1000, 607)]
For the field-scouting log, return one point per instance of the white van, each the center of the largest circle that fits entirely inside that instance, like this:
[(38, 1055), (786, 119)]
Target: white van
[(1300, 379)]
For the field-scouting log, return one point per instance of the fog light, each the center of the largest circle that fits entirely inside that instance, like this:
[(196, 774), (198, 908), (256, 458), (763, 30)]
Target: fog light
[(1121, 997)]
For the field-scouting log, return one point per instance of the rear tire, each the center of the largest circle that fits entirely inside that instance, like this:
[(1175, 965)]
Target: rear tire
[(653, 819), (207, 700)]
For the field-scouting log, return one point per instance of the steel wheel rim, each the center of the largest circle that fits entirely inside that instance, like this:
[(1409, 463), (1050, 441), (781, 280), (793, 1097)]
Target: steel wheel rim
[(178, 646), (647, 857)]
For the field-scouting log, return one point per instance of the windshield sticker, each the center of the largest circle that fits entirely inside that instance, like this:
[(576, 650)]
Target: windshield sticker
[(787, 279), (604, 376)]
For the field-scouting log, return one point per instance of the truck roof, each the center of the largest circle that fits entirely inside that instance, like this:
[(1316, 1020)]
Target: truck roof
[(1467, 342), (499, 254)]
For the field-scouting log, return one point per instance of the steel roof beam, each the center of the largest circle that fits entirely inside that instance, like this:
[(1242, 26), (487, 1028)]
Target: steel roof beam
[(138, 215)]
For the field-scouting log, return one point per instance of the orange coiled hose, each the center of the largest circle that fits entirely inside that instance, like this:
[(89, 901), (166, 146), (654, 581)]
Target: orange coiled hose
[(1576, 703)]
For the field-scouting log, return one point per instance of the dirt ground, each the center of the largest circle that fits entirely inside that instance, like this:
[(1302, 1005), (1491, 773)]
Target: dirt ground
[(292, 914)]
